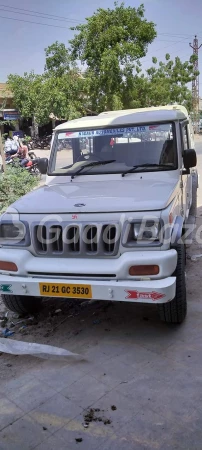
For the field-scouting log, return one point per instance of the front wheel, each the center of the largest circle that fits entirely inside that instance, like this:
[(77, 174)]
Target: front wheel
[(32, 155), (22, 304), (175, 311), (35, 172)]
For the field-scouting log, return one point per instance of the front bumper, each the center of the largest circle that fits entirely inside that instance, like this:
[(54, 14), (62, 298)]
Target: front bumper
[(155, 291), (109, 278)]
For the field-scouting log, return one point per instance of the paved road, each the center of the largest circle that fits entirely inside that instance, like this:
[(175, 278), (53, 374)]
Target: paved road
[(141, 378)]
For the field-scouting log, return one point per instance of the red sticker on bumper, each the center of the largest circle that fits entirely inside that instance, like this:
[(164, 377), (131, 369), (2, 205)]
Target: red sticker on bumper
[(144, 295)]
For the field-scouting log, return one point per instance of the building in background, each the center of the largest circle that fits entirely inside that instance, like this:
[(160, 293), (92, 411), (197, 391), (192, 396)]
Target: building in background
[(7, 111)]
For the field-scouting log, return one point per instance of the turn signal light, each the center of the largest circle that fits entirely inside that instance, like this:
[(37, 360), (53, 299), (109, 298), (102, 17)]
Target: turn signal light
[(8, 266), (144, 270)]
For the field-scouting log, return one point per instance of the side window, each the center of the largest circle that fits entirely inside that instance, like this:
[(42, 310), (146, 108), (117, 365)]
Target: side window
[(185, 137)]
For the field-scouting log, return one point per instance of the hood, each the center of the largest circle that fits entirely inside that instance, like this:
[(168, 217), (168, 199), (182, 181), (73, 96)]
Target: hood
[(98, 196)]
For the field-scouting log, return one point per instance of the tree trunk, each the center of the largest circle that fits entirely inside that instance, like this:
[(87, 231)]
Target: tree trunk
[(35, 127), (53, 124)]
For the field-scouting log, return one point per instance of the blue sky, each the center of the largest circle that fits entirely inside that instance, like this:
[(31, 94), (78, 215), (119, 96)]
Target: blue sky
[(22, 43)]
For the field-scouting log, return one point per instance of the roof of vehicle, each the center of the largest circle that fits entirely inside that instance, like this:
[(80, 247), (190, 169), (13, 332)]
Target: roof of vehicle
[(128, 117)]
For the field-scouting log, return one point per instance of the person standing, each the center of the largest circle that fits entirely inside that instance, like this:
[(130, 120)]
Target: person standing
[(8, 147)]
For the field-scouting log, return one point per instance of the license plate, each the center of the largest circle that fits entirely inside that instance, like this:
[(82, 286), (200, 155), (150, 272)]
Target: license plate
[(65, 290)]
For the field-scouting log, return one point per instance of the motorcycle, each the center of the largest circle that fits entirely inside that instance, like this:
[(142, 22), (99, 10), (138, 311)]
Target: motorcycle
[(31, 166), (42, 143), (47, 140), (30, 145), (38, 143)]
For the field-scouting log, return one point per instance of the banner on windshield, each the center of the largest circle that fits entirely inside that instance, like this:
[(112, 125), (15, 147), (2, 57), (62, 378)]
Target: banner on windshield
[(126, 131)]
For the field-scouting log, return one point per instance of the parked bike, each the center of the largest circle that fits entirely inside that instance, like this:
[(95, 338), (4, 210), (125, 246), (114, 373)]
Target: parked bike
[(31, 165), (43, 142)]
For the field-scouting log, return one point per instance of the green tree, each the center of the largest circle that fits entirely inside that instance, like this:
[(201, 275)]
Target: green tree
[(110, 44), (167, 82), (62, 86), (59, 91), (57, 59), (60, 97), (26, 90), (163, 83)]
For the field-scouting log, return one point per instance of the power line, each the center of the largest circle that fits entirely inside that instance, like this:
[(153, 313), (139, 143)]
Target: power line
[(40, 23), (67, 19), (59, 26), (168, 40), (177, 34), (33, 15), (187, 36), (64, 19), (36, 23), (60, 18), (63, 27), (41, 13), (162, 48)]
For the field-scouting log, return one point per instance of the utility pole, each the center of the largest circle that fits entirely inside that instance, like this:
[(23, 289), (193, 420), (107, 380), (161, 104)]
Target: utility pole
[(2, 154), (195, 85)]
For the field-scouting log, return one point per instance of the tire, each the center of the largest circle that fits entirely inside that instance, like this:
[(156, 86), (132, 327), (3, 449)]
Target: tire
[(36, 172), (193, 209), (22, 304), (32, 155), (175, 311)]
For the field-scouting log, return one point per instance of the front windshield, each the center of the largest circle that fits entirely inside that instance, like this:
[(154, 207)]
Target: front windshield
[(123, 147)]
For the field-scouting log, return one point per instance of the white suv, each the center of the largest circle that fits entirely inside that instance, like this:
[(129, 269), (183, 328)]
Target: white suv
[(110, 222)]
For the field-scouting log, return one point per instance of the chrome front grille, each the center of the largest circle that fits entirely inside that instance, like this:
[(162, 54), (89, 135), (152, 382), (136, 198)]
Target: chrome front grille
[(40, 238), (82, 240), (73, 236)]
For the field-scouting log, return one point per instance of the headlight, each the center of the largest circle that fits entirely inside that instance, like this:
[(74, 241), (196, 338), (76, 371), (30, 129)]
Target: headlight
[(14, 233), (142, 232), (148, 230), (11, 231)]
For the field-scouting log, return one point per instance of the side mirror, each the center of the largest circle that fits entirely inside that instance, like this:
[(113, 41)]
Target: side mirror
[(43, 165), (189, 158)]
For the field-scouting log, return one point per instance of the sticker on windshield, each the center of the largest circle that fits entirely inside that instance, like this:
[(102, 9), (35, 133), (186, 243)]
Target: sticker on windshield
[(126, 131)]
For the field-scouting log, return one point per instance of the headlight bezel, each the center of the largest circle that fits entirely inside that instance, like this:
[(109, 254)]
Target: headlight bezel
[(21, 240), (128, 238)]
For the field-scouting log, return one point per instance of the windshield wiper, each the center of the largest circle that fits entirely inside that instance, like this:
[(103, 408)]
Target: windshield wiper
[(163, 166), (92, 164)]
